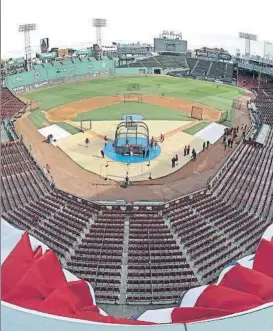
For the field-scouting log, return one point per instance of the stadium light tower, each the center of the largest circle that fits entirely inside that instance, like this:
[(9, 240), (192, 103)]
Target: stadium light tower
[(99, 23), (248, 37), (26, 28)]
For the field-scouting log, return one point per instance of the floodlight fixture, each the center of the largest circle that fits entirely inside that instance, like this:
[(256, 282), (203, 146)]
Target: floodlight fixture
[(99, 23), (248, 38)]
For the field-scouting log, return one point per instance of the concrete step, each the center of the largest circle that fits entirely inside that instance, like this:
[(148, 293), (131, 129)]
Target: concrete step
[(124, 264)]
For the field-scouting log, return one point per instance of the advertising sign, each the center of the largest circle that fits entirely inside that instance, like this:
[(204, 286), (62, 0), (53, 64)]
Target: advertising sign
[(170, 45), (44, 45), (17, 62), (224, 56), (48, 56), (83, 52), (202, 53)]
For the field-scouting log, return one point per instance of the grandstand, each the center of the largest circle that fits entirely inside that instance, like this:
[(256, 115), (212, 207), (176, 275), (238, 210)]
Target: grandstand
[(146, 254), (171, 247), (264, 105), (10, 105), (201, 68), (184, 243)]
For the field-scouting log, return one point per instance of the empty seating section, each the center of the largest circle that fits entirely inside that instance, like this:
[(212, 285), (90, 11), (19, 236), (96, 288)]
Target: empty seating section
[(198, 67), (247, 182), (98, 256), (56, 220), (150, 62), (137, 64), (217, 70), (251, 82), (213, 233), (63, 222), (147, 254), (22, 180), (10, 104), (157, 269), (191, 62), (167, 61), (264, 104), (180, 60), (201, 68), (164, 61), (229, 72)]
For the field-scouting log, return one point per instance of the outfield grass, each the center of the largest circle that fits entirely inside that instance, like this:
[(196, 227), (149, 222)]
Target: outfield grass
[(206, 93), (196, 128), (37, 117), (116, 111)]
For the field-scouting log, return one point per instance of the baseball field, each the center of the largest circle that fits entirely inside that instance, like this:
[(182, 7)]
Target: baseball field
[(163, 98)]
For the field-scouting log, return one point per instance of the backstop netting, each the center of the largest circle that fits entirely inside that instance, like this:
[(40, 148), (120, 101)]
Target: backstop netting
[(225, 117), (230, 115), (197, 113), (133, 97)]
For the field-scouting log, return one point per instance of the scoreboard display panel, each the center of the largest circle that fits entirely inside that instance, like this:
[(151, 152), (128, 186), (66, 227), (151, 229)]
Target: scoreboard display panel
[(170, 45)]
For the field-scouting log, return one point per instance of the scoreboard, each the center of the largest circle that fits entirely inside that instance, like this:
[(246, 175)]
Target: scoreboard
[(162, 45)]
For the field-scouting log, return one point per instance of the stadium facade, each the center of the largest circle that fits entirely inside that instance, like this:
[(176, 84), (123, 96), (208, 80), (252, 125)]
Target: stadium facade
[(78, 69)]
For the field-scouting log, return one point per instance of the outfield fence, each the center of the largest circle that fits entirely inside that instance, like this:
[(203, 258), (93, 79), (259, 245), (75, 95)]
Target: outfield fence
[(58, 81)]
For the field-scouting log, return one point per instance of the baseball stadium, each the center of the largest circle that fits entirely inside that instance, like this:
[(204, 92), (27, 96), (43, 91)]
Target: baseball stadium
[(137, 191)]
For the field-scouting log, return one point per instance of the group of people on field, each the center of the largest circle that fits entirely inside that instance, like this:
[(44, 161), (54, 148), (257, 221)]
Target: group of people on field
[(231, 135), (187, 151)]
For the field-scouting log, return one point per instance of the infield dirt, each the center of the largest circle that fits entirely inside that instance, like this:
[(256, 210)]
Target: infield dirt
[(71, 110)]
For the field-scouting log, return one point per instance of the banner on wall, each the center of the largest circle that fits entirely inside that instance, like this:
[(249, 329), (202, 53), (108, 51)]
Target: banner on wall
[(224, 56), (83, 52), (48, 56)]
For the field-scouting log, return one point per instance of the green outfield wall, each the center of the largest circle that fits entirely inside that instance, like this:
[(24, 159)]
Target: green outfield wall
[(57, 73), (69, 71)]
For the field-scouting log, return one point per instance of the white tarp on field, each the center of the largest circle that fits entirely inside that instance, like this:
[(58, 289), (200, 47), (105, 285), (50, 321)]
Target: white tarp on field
[(211, 133), (57, 132)]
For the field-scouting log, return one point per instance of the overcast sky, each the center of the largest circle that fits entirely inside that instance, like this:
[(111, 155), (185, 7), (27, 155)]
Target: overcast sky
[(202, 22)]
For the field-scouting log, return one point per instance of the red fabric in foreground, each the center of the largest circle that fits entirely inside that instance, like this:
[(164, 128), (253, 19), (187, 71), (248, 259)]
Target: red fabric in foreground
[(193, 314), (219, 297), (43, 277), (16, 264), (249, 281), (38, 252), (36, 281), (263, 258), (68, 299)]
